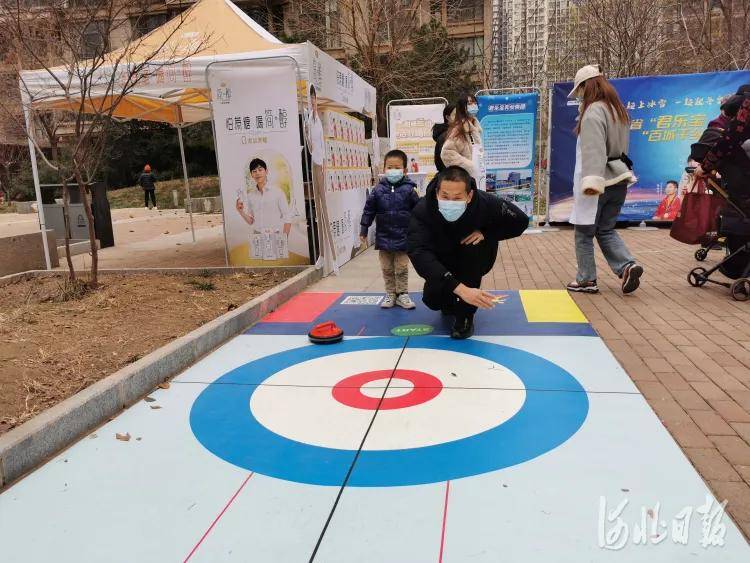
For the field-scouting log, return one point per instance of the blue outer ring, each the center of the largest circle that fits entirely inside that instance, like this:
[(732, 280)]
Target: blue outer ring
[(222, 421)]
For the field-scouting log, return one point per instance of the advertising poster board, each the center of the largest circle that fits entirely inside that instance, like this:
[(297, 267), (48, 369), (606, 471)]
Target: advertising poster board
[(668, 114), (259, 159), (410, 128), (347, 178), (509, 130)]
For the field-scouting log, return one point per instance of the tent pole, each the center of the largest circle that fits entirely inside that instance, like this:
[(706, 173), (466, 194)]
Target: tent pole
[(37, 188), (187, 184)]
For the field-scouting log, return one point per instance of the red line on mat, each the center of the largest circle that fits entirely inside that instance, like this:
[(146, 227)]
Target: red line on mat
[(211, 527), (445, 518)]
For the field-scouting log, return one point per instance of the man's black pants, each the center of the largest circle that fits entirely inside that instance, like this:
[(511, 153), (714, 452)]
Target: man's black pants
[(469, 265), (152, 194)]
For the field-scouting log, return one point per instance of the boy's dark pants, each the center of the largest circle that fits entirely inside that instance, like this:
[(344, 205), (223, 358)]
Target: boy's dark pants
[(151, 194), (471, 263)]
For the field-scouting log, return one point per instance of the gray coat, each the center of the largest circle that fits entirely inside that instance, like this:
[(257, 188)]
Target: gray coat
[(603, 137)]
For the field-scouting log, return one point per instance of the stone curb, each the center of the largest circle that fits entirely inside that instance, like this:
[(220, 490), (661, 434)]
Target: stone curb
[(222, 270), (31, 444)]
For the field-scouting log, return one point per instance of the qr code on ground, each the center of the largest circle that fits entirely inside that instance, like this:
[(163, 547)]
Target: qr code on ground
[(362, 300)]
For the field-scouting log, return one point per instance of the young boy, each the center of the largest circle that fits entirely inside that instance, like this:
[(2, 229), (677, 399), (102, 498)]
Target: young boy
[(391, 202)]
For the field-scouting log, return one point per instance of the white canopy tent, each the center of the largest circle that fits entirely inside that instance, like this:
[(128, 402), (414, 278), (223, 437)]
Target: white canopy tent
[(178, 93)]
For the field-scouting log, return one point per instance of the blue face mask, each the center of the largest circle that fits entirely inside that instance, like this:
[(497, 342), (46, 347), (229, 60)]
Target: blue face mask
[(394, 175), (473, 109), (451, 210)]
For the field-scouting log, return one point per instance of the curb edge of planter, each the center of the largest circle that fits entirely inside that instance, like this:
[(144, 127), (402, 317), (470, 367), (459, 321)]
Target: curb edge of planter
[(32, 444)]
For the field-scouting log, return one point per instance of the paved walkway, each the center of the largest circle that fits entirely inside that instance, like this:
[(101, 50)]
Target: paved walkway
[(686, 349)]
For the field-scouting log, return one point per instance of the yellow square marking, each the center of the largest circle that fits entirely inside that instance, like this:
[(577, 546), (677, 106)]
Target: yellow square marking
[(550, 306)]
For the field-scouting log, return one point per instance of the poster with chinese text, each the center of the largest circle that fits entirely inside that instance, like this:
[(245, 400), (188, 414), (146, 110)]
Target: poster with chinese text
[(509, 146), (668, 114), (410, 128), (259, 159), (348, 177)]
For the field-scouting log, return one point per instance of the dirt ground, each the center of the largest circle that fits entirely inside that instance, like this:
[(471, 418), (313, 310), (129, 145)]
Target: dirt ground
[(51, 349), (145, 239)]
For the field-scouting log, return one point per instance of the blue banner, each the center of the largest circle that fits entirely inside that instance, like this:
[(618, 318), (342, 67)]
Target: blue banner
[(668, 113), (509, 138)]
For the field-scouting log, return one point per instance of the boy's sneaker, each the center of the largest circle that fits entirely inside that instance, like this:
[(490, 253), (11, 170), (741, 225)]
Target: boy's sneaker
[(389, 301), (405, 301), (631, 277), (583, 287), (463, 328)]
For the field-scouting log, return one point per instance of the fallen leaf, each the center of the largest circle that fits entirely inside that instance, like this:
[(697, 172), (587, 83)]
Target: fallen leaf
[(123, 437), (625, 490), (231, 307), (93, 436), (155, 407), (138, 439), (164, 385), (132, 231), (453, 374), (166, 232), (149, 399)]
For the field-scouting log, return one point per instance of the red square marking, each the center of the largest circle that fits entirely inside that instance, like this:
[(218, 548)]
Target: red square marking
[(302, 308)]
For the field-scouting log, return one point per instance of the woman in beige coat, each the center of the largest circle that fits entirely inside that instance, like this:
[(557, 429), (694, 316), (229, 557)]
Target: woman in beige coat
[(602, 176), (464, 137)]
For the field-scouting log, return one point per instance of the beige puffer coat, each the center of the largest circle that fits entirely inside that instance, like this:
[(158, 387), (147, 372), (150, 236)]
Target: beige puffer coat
[(458, 150)]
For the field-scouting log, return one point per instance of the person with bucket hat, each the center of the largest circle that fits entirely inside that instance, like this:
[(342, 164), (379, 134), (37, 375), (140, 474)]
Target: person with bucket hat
[(603, 173)]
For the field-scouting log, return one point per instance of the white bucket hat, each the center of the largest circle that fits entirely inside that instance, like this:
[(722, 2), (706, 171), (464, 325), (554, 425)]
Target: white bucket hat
[(583, 74)]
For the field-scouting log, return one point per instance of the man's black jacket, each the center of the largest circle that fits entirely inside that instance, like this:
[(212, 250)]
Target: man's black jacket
[(434, 243)]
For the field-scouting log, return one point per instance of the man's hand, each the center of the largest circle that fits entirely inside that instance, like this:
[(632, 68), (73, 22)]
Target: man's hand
[(699, 172), (239, 205), (363, 240), (474, 238), (475, 296)]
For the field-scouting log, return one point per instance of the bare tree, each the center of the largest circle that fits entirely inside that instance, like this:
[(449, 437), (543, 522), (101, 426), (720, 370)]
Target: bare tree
[(717, 33), (378, 38), (626, 38), (69, 41)]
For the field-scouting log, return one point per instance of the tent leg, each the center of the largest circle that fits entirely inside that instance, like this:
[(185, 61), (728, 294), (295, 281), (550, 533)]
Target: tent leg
[(187, 184), (37, 188)]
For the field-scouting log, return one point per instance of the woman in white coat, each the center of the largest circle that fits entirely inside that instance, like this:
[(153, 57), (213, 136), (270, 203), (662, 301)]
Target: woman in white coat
[(463, 142), (603, 174)]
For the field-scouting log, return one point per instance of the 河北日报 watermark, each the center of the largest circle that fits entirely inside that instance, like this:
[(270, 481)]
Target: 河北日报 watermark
[(651, 527)]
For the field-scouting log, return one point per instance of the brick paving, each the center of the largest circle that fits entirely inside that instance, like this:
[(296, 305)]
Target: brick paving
[(686, 349)]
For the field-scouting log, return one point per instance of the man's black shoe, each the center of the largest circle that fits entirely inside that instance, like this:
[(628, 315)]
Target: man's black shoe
[(463, 328)]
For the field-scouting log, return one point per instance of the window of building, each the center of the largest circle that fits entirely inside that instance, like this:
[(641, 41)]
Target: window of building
[(462, 11), (436, 10), (94, 40), (147, 23), (474, 46), (333, 29)]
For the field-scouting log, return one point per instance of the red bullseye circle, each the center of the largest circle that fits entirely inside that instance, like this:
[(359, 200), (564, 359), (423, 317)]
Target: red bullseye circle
[(348, 391)]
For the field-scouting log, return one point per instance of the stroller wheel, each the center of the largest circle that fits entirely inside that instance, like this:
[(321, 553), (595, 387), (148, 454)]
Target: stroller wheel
[(740, 289), (701, 254), (697, 277)]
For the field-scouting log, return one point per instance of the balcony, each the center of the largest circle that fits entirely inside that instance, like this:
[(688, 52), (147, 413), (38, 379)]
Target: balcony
[(465, 11)]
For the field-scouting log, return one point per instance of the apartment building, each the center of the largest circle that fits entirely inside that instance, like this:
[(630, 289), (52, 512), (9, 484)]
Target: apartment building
[(533, 42)]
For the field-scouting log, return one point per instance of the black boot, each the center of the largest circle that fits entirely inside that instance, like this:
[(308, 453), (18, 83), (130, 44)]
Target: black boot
[(463, 328)]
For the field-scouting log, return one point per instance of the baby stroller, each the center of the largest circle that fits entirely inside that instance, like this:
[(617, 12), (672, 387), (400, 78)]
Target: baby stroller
[(734, 226)]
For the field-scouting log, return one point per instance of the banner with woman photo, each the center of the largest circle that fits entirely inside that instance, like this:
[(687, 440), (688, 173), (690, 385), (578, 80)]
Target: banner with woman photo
[(258, 150)]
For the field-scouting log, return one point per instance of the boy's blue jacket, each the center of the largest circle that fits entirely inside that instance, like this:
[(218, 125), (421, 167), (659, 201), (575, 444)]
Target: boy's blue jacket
[(391, 205)]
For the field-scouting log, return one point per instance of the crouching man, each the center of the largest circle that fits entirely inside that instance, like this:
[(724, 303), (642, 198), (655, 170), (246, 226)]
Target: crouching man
[(453, 240)]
